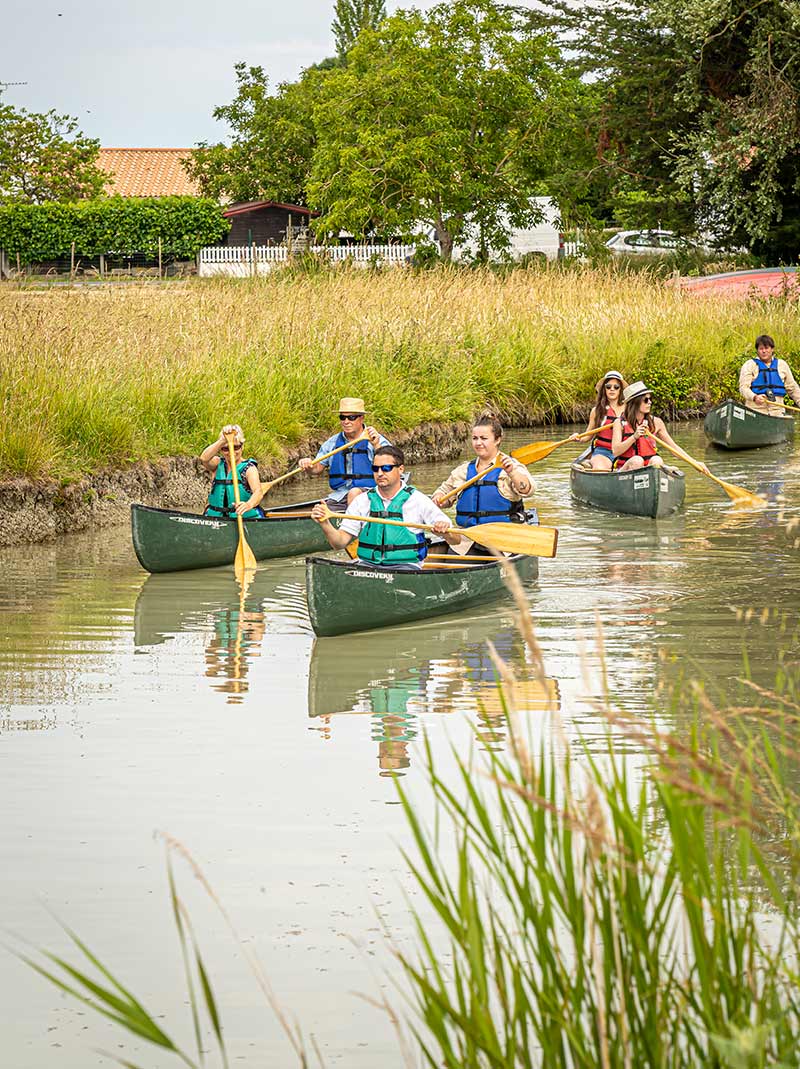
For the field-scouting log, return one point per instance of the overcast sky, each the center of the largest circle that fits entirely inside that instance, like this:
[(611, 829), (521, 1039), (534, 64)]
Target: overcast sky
[(149, 72)]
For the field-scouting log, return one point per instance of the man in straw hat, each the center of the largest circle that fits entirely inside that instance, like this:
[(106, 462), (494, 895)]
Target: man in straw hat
[(349, 472)]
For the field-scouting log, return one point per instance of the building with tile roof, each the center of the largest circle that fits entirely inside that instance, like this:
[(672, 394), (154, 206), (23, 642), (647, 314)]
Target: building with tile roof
[(147, 172)]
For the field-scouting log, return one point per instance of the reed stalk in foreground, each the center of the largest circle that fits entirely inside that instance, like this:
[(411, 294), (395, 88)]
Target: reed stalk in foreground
[(589, 915), (97, 378)]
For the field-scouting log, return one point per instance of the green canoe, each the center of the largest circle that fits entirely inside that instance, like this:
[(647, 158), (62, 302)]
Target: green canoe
[(733, 425), (344, 597), (170, 541), (645, 492)]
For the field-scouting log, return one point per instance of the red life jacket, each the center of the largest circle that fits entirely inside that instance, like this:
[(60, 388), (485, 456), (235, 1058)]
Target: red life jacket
[(603, 439), (643, 447)]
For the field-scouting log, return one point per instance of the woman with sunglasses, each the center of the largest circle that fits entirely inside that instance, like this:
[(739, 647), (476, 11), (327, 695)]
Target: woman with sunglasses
[(349, 472), (498, 497), (221, 500), (607, 407), (632, 443)]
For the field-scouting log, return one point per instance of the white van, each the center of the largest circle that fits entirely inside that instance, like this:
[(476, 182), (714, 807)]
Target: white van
[(544, 239)]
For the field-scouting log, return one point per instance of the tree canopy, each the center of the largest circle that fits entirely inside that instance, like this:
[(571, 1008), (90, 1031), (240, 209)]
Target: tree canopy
[(353, 16), (44, 157)]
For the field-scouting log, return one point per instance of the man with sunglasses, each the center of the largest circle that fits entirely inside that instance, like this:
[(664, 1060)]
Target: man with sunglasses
[(349, 472), (383, 545)]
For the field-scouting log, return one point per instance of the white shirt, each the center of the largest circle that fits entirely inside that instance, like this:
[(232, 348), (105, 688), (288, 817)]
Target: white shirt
[(418, 509)]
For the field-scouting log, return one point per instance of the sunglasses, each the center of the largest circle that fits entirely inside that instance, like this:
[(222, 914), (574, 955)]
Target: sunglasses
[(612, 386), (384, 467), (343, 417), (648, 400)]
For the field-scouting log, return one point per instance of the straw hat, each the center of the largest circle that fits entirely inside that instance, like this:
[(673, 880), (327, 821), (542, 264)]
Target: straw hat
[(610, 375), (636, 389), (352, 405)]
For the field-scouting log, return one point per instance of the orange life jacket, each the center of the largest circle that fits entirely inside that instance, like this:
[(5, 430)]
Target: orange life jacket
[(643, 447), (603, 439)]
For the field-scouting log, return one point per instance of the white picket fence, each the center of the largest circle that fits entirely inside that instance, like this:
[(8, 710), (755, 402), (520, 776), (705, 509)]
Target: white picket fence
[(239, 261)]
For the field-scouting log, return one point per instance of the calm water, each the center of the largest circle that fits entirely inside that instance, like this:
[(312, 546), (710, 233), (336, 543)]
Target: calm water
[(135, 703)]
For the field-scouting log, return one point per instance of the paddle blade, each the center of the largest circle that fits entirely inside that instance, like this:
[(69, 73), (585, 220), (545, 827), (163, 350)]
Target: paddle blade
[(529, 454), (743, 498), (515, 538), (244, 561)]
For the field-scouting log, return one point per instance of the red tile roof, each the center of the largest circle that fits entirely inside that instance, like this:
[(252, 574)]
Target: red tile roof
[(147, 172), (254, 205)]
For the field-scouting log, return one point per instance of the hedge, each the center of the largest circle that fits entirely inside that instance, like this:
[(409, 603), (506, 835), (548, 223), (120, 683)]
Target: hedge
[(109, 225)]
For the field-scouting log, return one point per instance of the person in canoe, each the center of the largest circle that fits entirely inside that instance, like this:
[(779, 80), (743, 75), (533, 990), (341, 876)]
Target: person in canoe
[(221, 501), (631, 442), (496, 498), (383, 545), (349, 472), (765, 378), (608, 405)]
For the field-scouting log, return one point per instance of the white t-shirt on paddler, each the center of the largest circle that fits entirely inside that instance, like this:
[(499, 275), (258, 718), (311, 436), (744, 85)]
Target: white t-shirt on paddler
[(418, 509)]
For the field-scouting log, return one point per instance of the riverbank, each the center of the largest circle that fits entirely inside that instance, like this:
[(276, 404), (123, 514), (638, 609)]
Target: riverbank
[(105, 379), (38, 510)]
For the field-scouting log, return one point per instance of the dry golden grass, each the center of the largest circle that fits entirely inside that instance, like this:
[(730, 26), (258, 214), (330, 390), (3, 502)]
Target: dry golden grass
[(110, 375)]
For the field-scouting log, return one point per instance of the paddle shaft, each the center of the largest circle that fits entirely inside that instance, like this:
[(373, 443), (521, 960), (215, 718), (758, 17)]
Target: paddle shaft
[(244, 555), (317, 460), (729, 488)]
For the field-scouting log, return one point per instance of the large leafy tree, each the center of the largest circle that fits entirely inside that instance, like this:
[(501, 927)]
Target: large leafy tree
[(272, 141), (45, 157), (353, 16), (448, 119)]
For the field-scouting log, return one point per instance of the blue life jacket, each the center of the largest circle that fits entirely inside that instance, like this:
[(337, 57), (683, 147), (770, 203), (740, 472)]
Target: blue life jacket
[(221, 501), (382, 543), (768, 379), (352, 467), (483, 502)]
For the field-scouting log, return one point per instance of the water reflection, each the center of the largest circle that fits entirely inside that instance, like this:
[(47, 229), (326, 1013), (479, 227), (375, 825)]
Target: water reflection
[(397, 677), (233, 622)]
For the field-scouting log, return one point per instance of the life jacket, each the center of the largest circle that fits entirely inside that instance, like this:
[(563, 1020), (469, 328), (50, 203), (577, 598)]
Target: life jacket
[(382, 543), (483, 502), (603, 439), (768, 379), (644, 447), (353, 467), (221, 501)]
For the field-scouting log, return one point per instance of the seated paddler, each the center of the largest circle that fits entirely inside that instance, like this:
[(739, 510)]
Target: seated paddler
[(349, 471), (495, 498), (383, 545), (221, 499), (765, 380)]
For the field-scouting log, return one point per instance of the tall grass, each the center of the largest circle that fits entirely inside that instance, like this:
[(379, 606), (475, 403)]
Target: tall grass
[(92, 378)]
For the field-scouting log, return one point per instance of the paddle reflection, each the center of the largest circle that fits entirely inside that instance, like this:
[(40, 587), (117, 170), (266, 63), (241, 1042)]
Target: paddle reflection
[(399, 678), (233, 620)]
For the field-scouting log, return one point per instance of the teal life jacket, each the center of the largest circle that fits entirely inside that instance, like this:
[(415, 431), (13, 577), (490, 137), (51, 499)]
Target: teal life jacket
[(381, 543), (221, 501)]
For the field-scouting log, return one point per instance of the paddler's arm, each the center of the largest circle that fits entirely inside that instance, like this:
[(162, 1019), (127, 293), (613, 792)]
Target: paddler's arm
[(789, 381), (209, 458), (619, 444), (336, 536), (253, 480), (441, 523), (456, 477), (518, 476)]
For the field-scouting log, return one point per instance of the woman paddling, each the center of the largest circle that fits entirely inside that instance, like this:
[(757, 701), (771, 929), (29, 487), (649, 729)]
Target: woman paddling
[(498, 496), (608, 405), (221, 502), (632, 443)]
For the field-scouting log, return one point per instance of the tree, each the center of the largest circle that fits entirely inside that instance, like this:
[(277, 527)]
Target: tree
[(44, 157), (353, 16), (270, 152), (447, 119)]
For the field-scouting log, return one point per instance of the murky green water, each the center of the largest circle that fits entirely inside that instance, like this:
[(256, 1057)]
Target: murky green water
[(134, 703)]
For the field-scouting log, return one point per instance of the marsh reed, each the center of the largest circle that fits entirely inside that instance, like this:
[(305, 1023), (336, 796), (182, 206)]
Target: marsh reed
[(104, 377)]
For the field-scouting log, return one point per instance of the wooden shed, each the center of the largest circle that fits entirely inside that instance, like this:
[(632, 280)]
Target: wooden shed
[(264, 222)]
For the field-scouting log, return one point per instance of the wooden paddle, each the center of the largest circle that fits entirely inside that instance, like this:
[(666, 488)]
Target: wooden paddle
[(501, 537), (244, 560), (781, 404), (735, 493), (294, 471), (526, 454)]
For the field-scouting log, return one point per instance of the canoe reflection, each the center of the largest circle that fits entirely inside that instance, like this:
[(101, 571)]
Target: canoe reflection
[(397, 678), (211, 603)]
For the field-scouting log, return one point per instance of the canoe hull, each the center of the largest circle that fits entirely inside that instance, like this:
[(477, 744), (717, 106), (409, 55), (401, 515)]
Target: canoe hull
[(169, 541), (649, 491), (732, 425), (344, 597)]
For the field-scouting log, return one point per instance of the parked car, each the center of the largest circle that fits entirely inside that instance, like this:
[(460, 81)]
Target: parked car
[(543, 240), (651, 243)]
